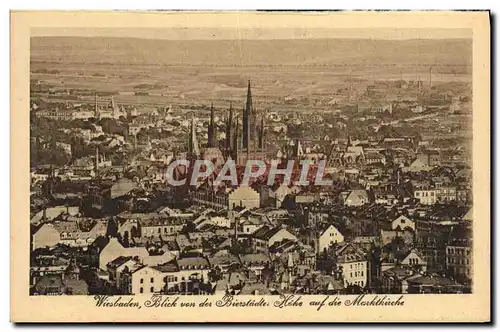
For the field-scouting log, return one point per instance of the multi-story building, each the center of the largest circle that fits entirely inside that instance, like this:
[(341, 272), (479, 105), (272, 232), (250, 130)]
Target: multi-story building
[(446, 193), (141, 280), (244, 196), (354, 265), (327, 236), (56, 114), (459, 253), (160, 226), (425, 195)]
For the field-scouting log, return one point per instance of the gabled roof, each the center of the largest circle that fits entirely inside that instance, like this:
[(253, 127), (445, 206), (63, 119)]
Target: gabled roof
[(398, 272), (167, 267), (254, 288), (66, 226), (469, 215), (254, 258), (357, 194), (348, 253), (324, 227), (432, 280), (265, 232), (192, 261), (117, 262)]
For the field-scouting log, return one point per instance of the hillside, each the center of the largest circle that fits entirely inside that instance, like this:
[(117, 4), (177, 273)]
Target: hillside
[(302, 52)]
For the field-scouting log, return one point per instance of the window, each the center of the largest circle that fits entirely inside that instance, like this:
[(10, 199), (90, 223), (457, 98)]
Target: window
[(142, 281), (351, 274), (152, 289), (159, 230), (176, 279), (141, 290), (152, 280)]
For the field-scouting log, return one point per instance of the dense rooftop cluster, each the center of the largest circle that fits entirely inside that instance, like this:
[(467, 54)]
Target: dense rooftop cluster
[(396, 217)]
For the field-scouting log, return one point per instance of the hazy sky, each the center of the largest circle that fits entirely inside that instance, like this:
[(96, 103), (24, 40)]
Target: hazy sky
[(184, 33)]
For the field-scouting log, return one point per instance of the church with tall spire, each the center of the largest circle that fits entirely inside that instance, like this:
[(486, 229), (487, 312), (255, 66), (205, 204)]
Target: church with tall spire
[(212, 150), (252, 145), (193, 147), (241, 143), (211, 129)]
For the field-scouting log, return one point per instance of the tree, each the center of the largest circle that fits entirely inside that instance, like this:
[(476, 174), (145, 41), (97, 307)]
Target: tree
[(354, 289), (126, 241), (112, 229), (215, 274)]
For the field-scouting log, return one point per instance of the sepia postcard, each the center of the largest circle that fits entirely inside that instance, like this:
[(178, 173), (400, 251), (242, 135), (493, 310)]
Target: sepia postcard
[(250, 166)]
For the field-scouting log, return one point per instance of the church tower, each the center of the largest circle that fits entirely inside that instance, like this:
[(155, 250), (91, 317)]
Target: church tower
[(236, 139), (249, 121), (252, 139), (229, 125), (211, 128), (261, 133), (193, 147)]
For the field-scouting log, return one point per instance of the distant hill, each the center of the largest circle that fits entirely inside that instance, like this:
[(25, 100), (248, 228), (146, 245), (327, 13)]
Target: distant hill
[(301, 52)]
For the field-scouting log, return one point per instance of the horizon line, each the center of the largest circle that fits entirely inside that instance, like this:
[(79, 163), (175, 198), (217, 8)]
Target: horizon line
[(257, 39)]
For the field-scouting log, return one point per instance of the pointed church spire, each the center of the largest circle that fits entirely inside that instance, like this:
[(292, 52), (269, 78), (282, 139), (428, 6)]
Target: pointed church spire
[(249, 98), (229, 126), (193, 147), (236, 137), (246, 129), (249, 120), (261, 133), (298, 151), (211, 128)]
